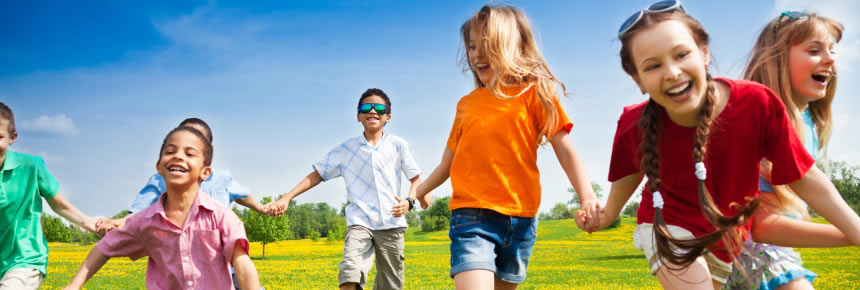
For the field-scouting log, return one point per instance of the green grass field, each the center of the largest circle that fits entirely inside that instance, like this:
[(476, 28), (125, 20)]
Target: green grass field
[(564, 258)]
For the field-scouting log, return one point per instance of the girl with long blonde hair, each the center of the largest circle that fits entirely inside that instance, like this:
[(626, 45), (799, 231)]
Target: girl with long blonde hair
[(491, 153)]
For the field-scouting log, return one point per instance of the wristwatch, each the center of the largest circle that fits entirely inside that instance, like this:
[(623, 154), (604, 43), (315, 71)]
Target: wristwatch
[(411, 202)]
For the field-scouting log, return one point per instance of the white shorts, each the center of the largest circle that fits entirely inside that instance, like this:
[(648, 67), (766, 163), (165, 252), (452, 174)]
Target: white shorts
[(643, 240), (21, 278)]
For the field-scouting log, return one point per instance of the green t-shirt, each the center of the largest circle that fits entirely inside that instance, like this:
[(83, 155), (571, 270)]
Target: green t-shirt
[(24, 180)]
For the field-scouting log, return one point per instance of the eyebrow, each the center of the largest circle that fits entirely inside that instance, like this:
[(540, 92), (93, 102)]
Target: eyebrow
[(671, 50)]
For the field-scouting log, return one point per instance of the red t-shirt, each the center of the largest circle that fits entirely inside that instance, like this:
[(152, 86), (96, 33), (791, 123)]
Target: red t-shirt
[(752, 126)]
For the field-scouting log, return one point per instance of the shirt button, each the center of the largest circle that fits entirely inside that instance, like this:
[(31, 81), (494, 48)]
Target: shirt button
[(186, 259), (190, 283)]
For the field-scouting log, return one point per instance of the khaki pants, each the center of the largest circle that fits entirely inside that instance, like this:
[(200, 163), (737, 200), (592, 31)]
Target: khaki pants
[(21, 278), (360, 245), (643, 239)]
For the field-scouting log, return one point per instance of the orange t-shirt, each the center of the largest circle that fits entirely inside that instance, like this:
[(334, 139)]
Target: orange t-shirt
[(495, 151)]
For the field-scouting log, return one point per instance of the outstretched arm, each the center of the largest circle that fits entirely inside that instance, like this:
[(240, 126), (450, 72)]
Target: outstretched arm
[(576, 174), (246, 273), (817, 191), (253, 204), (94, 261), (69, 212), (278, 207), (770, 227), (439, 175)]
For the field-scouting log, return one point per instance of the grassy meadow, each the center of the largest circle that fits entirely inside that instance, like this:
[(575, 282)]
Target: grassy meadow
[(564, 258)]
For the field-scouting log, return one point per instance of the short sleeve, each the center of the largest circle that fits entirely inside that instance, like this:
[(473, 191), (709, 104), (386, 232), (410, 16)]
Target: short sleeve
[(782, 147), (562, 121), (125, 241), (149, 194), (48, 185), (330, 167), (407, 161), (235, 189), (625, 155), (456, 130), (232, 233)]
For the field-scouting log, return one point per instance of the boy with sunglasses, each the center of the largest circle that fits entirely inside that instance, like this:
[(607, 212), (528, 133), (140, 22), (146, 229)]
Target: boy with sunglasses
[(371, 165)]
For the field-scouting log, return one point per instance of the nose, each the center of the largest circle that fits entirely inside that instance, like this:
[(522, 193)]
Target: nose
[(828, 57), (673, 72)]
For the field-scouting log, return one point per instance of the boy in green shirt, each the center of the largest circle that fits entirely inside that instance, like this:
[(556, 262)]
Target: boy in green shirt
[(24, 180)]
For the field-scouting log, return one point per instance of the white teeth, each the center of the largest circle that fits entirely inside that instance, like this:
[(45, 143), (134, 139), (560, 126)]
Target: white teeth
[(481, 65), (824, 74), (679, 89)]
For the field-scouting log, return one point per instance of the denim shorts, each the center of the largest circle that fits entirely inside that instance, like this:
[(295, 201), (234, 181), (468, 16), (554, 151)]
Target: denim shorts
[(488, 240)]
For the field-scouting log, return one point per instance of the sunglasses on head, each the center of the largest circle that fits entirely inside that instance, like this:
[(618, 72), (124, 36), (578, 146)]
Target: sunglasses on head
[(792, 15), (662, 6), (365, 108)]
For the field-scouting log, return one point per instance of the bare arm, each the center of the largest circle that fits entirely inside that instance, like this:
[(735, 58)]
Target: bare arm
[(253, 204), (439, 175), (817, 191), (771, 227), (278, 207), (619, 192), (94, 261), (246, 273), (69, 212), (572, 165)]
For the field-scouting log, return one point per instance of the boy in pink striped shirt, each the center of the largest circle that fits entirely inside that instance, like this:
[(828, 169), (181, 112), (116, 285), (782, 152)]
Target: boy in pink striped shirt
[(190, 238)]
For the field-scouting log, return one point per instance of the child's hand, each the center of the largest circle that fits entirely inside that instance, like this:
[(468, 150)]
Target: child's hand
[(401, 208), (592, 212), (278, 208), (104, 226), (425, 201)]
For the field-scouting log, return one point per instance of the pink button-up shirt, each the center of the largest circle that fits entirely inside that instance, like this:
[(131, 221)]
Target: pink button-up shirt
[(196, 256)]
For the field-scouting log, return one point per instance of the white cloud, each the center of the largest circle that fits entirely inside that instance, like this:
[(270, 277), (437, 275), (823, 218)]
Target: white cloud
[(53, 125)]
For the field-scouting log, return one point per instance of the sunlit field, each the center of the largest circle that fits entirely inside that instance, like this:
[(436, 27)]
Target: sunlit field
[(564, 258)]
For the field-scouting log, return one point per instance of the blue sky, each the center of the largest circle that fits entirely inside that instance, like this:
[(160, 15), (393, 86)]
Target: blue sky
[(95, 86)]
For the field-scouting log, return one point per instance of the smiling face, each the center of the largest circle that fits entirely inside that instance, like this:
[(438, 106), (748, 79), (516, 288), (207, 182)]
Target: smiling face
[(671, 68), (182, 160), (373, 121), (811, 67), (478, 61)]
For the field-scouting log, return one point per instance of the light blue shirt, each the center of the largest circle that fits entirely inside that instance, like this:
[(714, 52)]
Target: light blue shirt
[(220, 186), (372, 178), (810, 141)]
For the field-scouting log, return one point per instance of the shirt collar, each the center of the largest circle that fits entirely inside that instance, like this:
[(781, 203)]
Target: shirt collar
[(199, 201), (365, 142), (12, 160)]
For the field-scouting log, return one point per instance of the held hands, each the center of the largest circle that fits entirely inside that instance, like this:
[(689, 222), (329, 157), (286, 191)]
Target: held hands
[(590, 215), (401, 208), (277, 208), (105, 225)]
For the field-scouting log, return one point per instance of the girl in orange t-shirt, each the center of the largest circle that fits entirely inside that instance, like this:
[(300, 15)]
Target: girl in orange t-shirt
[(491, 154)]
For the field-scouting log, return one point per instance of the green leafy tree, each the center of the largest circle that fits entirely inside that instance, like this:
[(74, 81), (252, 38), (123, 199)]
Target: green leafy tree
[(336, 229), (55, 230), (413, 219), (437, 216), (266, 229)]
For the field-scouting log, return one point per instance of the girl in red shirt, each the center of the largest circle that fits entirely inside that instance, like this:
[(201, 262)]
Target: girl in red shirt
[(699, 141)]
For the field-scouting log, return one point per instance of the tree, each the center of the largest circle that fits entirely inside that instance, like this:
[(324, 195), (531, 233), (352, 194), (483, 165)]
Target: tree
[(631, 209), (413, 218), (598, 192), (437, 216), (266, 229), (55, 230)]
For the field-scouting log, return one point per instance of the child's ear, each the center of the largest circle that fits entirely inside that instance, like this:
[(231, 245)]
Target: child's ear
[(639, 84), (706, 53), (13, 137), (205, 173), (358, 117)]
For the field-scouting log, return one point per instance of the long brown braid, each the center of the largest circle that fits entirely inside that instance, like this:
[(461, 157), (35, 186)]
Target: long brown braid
[(683, 252)]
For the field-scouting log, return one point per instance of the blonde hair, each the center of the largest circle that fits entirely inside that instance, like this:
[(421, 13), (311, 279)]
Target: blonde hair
[(769, 65), (510, 47)]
